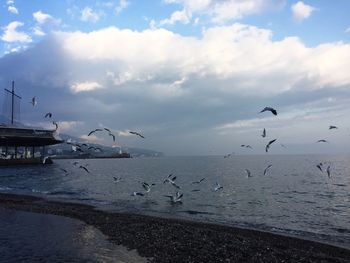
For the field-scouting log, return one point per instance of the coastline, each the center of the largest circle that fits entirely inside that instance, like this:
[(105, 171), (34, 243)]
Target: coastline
[(177, 240)]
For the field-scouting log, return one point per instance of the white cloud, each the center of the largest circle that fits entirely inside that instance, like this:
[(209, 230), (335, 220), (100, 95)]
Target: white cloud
[(12, 10), (301, 11), (121, 6), (38, 31), (92, 138), (178, 16), (41, 17), (219, 11), (89, 15), (347, 30), (85, 86), (12, 35), (240, 54)]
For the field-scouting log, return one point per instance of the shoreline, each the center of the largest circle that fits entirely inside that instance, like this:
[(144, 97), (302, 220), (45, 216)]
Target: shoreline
[(180, 240)]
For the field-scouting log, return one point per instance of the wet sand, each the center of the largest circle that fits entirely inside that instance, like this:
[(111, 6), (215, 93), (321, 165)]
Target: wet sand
[(173, 240)]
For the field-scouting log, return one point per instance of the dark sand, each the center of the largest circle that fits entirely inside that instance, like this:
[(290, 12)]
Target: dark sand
[(173, 240)]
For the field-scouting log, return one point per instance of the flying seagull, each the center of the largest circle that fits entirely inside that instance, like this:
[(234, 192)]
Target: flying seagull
[(268, 145), (247, 146), (332, 127), (64, 170), (55, 123), (329, 171), (147, 187), (319, 166), (171, 179), (175, 198), (217, 187), (111, 134), (322, 140), (34, 101), (137, 193), (136, 133), (84, 168), (198, 182), (94, 131), (117, 179), (274, 112), (264, 133), (267, 168), (49, 114), (249, 174)]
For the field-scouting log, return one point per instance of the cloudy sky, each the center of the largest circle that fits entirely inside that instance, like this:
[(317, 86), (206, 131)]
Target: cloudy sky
[(191, 75)]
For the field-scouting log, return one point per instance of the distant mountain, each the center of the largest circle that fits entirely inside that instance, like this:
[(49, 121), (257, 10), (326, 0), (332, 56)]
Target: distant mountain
[(66, 149)]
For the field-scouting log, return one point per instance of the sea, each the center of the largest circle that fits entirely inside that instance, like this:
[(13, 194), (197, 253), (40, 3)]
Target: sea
[(293, 198)]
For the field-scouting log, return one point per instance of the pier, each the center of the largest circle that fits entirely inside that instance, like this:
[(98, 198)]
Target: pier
[(21, 144)]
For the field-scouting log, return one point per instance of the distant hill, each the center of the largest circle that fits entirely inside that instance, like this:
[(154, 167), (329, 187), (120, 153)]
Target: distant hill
[(66, 149)]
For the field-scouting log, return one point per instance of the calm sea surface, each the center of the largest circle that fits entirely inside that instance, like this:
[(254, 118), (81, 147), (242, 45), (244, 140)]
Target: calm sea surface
[(293, 198)]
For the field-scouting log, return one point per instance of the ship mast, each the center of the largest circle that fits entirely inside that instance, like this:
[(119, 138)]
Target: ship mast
[(12, 99)]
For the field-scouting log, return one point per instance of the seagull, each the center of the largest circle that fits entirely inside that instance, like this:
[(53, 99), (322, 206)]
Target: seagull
[(264, 133), (175, 198), (64, 170), (228, 155), (319, 166), (74, 148), (137, 193), (94, 131), (55, 123), (274, 112), (247, 146), (249, 174), (75, 163), (34, 101), (198, 182), (171, 179), (332, 127), (136, 133), (111, 134), (268, 145), (322, 140), (84, 168), (117, 179), (217, 187), (46, 157), (329, 171), (49, 114), (147, 187), (267, 168)]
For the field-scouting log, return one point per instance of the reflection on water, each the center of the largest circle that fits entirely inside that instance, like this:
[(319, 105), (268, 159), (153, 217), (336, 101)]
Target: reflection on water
[(30, 237), (294, 197)]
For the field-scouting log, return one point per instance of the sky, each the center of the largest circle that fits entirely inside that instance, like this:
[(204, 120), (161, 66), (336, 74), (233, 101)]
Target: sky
[(191, 75)]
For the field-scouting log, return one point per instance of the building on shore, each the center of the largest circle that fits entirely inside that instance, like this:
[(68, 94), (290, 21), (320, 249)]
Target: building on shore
[(20, 144)]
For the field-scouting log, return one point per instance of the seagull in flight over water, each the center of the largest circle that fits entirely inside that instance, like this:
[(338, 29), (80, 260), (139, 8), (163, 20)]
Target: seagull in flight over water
[(198, 182), (268, 145), (329, 171), (249, 174), (274, 112), (175, 198), (267, 168), (332, 127), (94, 131), (264, 133), (84, 168), (171, 179), (217, 187), (322, 140), (33, 101), (319, 166), (138, 134), (49, 114)]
